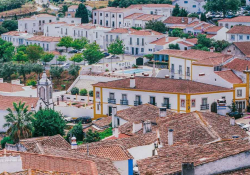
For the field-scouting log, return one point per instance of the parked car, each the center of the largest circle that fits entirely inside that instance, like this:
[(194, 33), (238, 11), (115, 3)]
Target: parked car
[(235, 114), (73, 51), (66, 65), (244, 126), (68, 119), (106, 54), (83, 120)]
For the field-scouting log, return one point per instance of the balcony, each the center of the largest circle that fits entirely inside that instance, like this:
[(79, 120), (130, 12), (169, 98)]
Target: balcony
[(155, 104), (112, 101), (180, 72), (188, 74), (172, 71), (205, 107), (137, 103), (124, 102), (166, 105)]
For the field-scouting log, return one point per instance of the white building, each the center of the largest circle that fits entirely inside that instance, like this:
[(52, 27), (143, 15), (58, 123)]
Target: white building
[(238, 34), (192, 6), (48, 43), (239, 20), (173, 22), (35, 23), (41, 2), (247, 2), (17, 38), (177, 95)]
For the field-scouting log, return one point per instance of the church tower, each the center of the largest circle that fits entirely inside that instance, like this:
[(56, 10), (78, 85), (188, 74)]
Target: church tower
[(45, 90)]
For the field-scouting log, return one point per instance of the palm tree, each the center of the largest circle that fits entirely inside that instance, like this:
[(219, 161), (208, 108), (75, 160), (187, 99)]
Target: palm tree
[(19, 122)]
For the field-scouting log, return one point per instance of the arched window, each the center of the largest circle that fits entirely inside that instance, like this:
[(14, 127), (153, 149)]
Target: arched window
[(42, 93), (50, 92)]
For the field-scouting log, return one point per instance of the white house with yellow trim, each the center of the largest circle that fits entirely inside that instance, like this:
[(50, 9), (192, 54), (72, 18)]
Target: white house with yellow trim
[(177, 95)]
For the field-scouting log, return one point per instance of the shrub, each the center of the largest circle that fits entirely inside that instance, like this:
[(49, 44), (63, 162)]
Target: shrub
[(106, 70), (83, 92), (63, 87), (77, 132), (91, 93), (134, 66), (74, 91), (31, 83), (106, 133), (6, 140)]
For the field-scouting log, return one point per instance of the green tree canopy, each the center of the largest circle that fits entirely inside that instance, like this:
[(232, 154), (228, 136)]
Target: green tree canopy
[(6, 140), (223, 6), (47, 57), (10, 25), (83, 92), (56, 72), (174, 46), (3, 30), (61, 58), (7, 69), (66, 42), (20, 57), (92, 136), (48, 123), (74, 70), (77, 58), (179, 33), (82, 13), (117, 47), (64, 9), (92, 54), (194, 15), (37, 68), (19, 122), (157, 26), (74, 91), (203, 17), (176, 10), (6, 50), (24, 69), (76, 131), (34, 52), (79, 44)]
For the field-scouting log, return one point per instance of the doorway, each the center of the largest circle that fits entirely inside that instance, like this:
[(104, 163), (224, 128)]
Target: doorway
[(214, 107)]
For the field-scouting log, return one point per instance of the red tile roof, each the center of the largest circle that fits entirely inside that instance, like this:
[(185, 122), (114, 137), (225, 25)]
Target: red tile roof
[(139, 6), (203, 26), (229, 76), (237, 64), (162, 41), (213, 29), (8, 87), (103, 122), (7, 101), (176, 20), (236, 19), (163, 85), (185, 44), (148, 17), (44, 39), (73, 7), (135, 32), (192, 40), (133, 16), (55, 163), (13, 33), (112, 152), (244, 47), (210, 36), (194, 23), (119, 137), (240, 30)]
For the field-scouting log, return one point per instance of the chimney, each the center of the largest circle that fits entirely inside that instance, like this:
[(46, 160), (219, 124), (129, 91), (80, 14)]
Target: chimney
[(167, 39), (116, 132), (113, 116), (187, 168), (163, 112), (232, 121), (132, 82), (211, 49), (147, 126), (137, 127), (73, 143), (1, 80), (170, 137), (229, 52), (166, 76)]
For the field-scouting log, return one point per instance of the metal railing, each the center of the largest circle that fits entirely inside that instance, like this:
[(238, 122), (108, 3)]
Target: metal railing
[(155, 104), (205, 107), (112, 101), (137, 103), (166, 105), (124, 102)]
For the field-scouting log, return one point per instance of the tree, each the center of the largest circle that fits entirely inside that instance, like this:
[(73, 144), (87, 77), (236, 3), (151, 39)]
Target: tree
[(76, 131), (74, 70), (6, 140), (61, 58), (3, 30), (79, 44), (19, 122), (83, 92), (91, 93), (10, 25), (92, 136), (20, 57), (64, 9), (34, 53), (74, 91), (92, 54), (82, 13), (6, 50), (24, 69), (21, 48), (56, 72), (77, 58), (220, 45), (174, 46), (149, 56), (176, 10), (194, 15), (38, 69), (47, 57), (66, 42), (7, 69), (117, 47), (157, 26), (178, 33), (223, 6), (203, 17), (48, 123), (183, 13)]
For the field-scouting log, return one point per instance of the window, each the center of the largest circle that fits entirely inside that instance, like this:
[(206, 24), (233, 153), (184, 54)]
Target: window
[(204, 101), (113, 24), (165, 101), (188, 71), (194, 6), (112, 95), (113, 15), (34, 24), (152, 100), (232, 37), (151, 12), (107, 15), (142, 42), (98, 107), (120, 24), (118, 122), (96, 34), (138, 42), (240, 37), (120, 16), (95, 14), (193, 103), (97, 94), (107, 38), (50, 92), (100, 22), (124, 96), (95, 21), (248, 37), (172, 68), (50, 21), (130, 41), (180, 69), (42, 93), (111, 38), (107, 23), (183, 103), (239, 93), (100, 14), (185, 2), (142, 49), (43, 21)]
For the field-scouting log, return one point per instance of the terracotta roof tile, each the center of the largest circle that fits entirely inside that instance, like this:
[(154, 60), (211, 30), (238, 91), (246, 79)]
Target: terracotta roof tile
[(244, 47), (240, 30), (148, 17), (213, 29), (229, 76), (236, 19), (194, 23), (192, 40), (237, 64), (162, 41), (119, 137), (135, 32), (139, 6), (8, 87), (133, 16), (163, 85), (176, 20), (73, 7), (103, 122), (13, 33), (44, 39), (210, 35), (203, 26), (7, 101), (185, 44)]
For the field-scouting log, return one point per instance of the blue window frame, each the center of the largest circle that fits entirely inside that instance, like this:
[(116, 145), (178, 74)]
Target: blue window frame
[(185, 2)]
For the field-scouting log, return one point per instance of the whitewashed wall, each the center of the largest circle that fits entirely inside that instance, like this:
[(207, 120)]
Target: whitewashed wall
[(121, 166)]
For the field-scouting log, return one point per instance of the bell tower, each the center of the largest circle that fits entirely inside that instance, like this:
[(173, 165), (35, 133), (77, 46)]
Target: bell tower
[(45, 90)]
